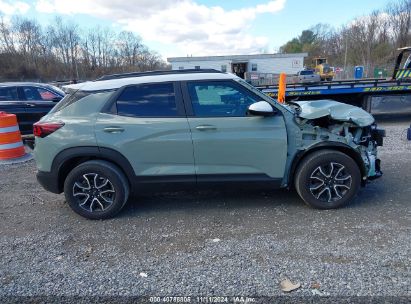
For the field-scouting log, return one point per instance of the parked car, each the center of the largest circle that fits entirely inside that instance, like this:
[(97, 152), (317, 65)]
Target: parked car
[(128, 132), (308, 76), (29, 101)]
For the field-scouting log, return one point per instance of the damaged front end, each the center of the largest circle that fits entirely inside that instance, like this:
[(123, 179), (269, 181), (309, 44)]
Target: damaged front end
[(334, 122)]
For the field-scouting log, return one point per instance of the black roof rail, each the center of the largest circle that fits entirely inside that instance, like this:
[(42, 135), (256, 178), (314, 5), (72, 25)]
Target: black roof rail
[(154, 73)]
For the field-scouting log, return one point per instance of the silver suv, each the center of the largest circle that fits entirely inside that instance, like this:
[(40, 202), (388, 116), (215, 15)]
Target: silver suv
[(130, 132)]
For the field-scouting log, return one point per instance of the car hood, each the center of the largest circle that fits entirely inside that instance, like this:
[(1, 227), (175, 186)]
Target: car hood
[(313, 109)]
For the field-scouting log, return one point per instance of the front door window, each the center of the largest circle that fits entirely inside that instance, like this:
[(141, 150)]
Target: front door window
[(219, 98)]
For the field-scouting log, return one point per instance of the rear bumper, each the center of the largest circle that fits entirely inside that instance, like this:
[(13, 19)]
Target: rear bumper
[(49, 181)]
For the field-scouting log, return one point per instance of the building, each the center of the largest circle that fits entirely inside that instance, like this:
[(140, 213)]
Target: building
[(240, 64)]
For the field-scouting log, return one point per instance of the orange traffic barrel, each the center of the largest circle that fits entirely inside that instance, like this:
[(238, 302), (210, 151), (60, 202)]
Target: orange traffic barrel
[(11, 145)]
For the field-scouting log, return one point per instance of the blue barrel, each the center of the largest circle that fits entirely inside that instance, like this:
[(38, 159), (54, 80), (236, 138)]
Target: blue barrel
[(358, 72)]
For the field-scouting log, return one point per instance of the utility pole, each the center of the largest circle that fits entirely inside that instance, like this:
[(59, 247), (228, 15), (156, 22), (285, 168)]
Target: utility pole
[(345, 55)]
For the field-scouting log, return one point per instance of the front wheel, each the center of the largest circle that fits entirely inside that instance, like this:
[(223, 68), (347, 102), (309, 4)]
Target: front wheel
[(327, 179), (96, 189)]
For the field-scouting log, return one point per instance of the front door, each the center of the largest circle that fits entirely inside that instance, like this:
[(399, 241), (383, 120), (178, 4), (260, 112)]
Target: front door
[(228, 142), (147, 124)]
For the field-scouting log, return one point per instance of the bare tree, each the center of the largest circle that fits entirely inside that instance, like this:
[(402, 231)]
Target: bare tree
[(370, 41), (400, 19), (63, 51), (7, 41)]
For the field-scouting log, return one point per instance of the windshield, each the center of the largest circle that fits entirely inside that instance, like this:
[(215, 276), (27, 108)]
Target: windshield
[(407, 63), (326, 68), (307, 72)]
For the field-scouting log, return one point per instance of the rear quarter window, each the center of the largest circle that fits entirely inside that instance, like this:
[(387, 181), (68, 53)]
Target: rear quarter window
[(69, 99), (90, 104)]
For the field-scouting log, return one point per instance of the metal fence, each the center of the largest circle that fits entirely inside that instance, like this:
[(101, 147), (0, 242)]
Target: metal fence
[(265, 79)]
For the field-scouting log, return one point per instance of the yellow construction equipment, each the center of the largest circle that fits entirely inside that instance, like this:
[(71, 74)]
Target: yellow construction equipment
[(323, 69)]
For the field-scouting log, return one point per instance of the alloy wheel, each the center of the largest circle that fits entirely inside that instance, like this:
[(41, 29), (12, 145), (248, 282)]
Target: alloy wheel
[(330, 182), (93, 192)]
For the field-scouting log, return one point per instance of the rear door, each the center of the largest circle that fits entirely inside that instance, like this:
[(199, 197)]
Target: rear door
[(39, 101), (10, 103), (148, 125), (228, 144)]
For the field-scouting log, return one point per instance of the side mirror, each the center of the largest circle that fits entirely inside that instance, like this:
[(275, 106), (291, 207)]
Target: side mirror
[(56, 99), (261, 108)]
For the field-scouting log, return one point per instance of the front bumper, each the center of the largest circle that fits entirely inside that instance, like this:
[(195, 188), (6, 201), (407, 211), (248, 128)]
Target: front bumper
[(377, 135), (377, 171), (49, 181)]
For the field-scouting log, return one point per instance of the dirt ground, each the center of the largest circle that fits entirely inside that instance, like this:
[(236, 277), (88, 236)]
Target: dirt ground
[(212, 243)]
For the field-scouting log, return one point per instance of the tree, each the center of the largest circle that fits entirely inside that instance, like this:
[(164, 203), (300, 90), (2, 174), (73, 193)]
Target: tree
[(293, 46), (307, 37), (63, 51), (370, 41), (400, 20)]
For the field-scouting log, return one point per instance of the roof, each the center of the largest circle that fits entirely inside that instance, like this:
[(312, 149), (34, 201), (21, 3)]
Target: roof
[(235, 57), (161, 72), (17, 84), (33, 84), (116, 83)]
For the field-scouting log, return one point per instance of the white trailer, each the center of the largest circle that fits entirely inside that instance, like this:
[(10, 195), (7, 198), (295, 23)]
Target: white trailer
[(240, 64)]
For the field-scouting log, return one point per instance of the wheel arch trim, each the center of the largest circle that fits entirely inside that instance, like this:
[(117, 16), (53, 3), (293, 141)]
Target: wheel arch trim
[(323, 146), (77, 154)]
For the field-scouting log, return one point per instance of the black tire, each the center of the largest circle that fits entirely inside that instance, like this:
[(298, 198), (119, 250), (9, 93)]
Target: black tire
[(342, 185), (108, 193)]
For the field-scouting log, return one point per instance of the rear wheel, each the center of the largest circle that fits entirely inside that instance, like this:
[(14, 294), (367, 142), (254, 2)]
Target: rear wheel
[(327, 179), (96, 189)]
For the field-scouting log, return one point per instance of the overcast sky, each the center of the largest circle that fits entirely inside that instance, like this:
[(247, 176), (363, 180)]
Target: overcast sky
[(199, 27)]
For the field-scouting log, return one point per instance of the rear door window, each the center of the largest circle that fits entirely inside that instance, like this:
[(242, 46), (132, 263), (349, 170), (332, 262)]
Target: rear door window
[(148, 100)]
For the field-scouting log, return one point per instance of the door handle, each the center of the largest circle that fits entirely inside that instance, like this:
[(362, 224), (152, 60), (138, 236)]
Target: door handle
[(113, 129), (206, 128), (30, 105)]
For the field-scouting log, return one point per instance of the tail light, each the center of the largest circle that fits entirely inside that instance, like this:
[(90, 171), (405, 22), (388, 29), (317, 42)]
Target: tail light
[(43, 129)]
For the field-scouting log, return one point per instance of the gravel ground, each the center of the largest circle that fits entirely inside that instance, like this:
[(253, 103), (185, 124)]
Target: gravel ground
[(211, 243)]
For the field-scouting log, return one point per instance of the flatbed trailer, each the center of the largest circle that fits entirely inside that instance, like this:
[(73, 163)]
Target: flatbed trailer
[(374, 95), (377, 96)]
